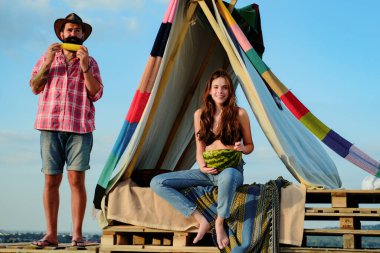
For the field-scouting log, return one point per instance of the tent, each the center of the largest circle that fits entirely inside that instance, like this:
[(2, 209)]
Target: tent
[(194, 39)]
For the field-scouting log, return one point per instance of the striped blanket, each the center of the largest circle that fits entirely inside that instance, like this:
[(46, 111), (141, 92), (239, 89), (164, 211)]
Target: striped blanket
[(254, 222)]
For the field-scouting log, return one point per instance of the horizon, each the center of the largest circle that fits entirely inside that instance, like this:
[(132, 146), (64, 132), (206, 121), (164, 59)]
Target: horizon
[(327, 58)]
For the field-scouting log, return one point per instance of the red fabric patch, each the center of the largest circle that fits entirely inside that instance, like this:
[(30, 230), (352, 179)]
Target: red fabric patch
[(137, 107), (294, 105)]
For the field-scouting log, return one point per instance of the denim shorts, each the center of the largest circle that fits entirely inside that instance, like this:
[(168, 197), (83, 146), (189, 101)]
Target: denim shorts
[(58, 148)]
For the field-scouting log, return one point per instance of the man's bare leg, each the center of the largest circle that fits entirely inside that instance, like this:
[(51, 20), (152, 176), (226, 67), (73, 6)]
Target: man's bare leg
[(221, 235), (51, 205), (78, 201), (204, 226)]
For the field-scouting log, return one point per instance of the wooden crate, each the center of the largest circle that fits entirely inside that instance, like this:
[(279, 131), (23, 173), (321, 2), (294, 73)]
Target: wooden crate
[(126, 238), (349, 208)]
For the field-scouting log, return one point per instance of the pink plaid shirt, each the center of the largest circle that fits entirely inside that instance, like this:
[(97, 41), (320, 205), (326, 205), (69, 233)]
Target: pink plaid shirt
[(63, 103)]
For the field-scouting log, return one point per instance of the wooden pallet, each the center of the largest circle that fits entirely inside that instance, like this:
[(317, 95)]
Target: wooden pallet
[(350, 208), (342, 205), (62, 247), (126, 238)]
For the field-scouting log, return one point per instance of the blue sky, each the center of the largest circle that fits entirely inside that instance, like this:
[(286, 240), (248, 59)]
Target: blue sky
[(325, 51)]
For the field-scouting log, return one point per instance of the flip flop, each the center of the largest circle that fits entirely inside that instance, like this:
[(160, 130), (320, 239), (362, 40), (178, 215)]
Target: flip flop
[(78, 243), (44, 243)]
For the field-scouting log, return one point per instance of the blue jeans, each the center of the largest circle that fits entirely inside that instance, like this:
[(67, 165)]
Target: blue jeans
[(167, 186)]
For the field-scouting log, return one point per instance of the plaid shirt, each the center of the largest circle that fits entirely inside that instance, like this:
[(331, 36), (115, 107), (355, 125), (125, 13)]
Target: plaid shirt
[(63, 103)]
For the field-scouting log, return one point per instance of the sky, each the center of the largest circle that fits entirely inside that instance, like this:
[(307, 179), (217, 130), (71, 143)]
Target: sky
[(326, 52)]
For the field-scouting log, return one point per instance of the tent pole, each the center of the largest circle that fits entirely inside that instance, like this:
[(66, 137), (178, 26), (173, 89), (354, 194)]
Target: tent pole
[(232, 5)]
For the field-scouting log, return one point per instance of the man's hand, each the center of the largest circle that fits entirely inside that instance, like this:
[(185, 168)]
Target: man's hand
[(50, 53), (40, 79), (82, 54)]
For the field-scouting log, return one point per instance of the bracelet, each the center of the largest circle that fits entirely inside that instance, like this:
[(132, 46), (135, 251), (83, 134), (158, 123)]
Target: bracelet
[(88, 68)]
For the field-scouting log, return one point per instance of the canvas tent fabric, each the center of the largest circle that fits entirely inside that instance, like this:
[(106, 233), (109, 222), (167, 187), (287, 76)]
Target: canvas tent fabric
[(158, 132)]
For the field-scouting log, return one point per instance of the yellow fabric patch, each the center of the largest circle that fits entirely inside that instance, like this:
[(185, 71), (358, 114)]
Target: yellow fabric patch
[(315, 125)]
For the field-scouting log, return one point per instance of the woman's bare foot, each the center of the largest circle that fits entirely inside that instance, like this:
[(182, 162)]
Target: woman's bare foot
[(221, 235), (204, 226)]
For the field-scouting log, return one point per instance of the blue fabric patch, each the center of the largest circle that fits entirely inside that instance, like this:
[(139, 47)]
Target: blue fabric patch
[(337, 143)]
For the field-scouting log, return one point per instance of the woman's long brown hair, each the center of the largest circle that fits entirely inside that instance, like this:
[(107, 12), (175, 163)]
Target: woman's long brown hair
[(228, 130)]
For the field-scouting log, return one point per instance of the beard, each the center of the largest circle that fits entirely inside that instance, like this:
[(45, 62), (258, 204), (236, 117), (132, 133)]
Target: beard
[(73, 40)]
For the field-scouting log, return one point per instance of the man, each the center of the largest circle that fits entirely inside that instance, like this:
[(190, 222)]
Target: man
[(68, 83)]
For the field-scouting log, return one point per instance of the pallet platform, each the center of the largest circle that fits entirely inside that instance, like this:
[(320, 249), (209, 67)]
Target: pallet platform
[(61, 248), (344, 206)]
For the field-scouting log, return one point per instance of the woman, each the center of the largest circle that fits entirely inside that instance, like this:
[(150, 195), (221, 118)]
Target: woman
[(222, 133)]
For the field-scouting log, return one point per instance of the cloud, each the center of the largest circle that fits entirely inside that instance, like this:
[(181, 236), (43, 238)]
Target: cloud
[(113, 29), (113, 5), (22, 150), (162, 1), (31, 22), (24, 25), (19, 150), (130, 23)]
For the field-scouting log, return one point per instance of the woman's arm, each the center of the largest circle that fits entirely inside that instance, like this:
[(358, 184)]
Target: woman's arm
[(247, 146), (200, 148), (200, 145)]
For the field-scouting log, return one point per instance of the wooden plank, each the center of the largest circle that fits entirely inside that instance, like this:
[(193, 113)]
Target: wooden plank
[(337, 216), (375, 193), (349, 241), (107, 239), (362, 211), (167, 241), (156, 241), (342, 232), (374, 216), (180, 239), (325, 250), (138, 240), (339, 199), (131, 228), (65, 248), (354, 196), (122, 239), (348, 223), (122, 228), (150, 248)]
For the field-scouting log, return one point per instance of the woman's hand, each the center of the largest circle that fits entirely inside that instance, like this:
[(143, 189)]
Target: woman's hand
[(239, 146), (208, 170)]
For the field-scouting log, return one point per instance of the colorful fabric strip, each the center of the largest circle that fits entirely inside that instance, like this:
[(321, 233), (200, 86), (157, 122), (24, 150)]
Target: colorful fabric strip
[(333, 140), (138, 104)]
